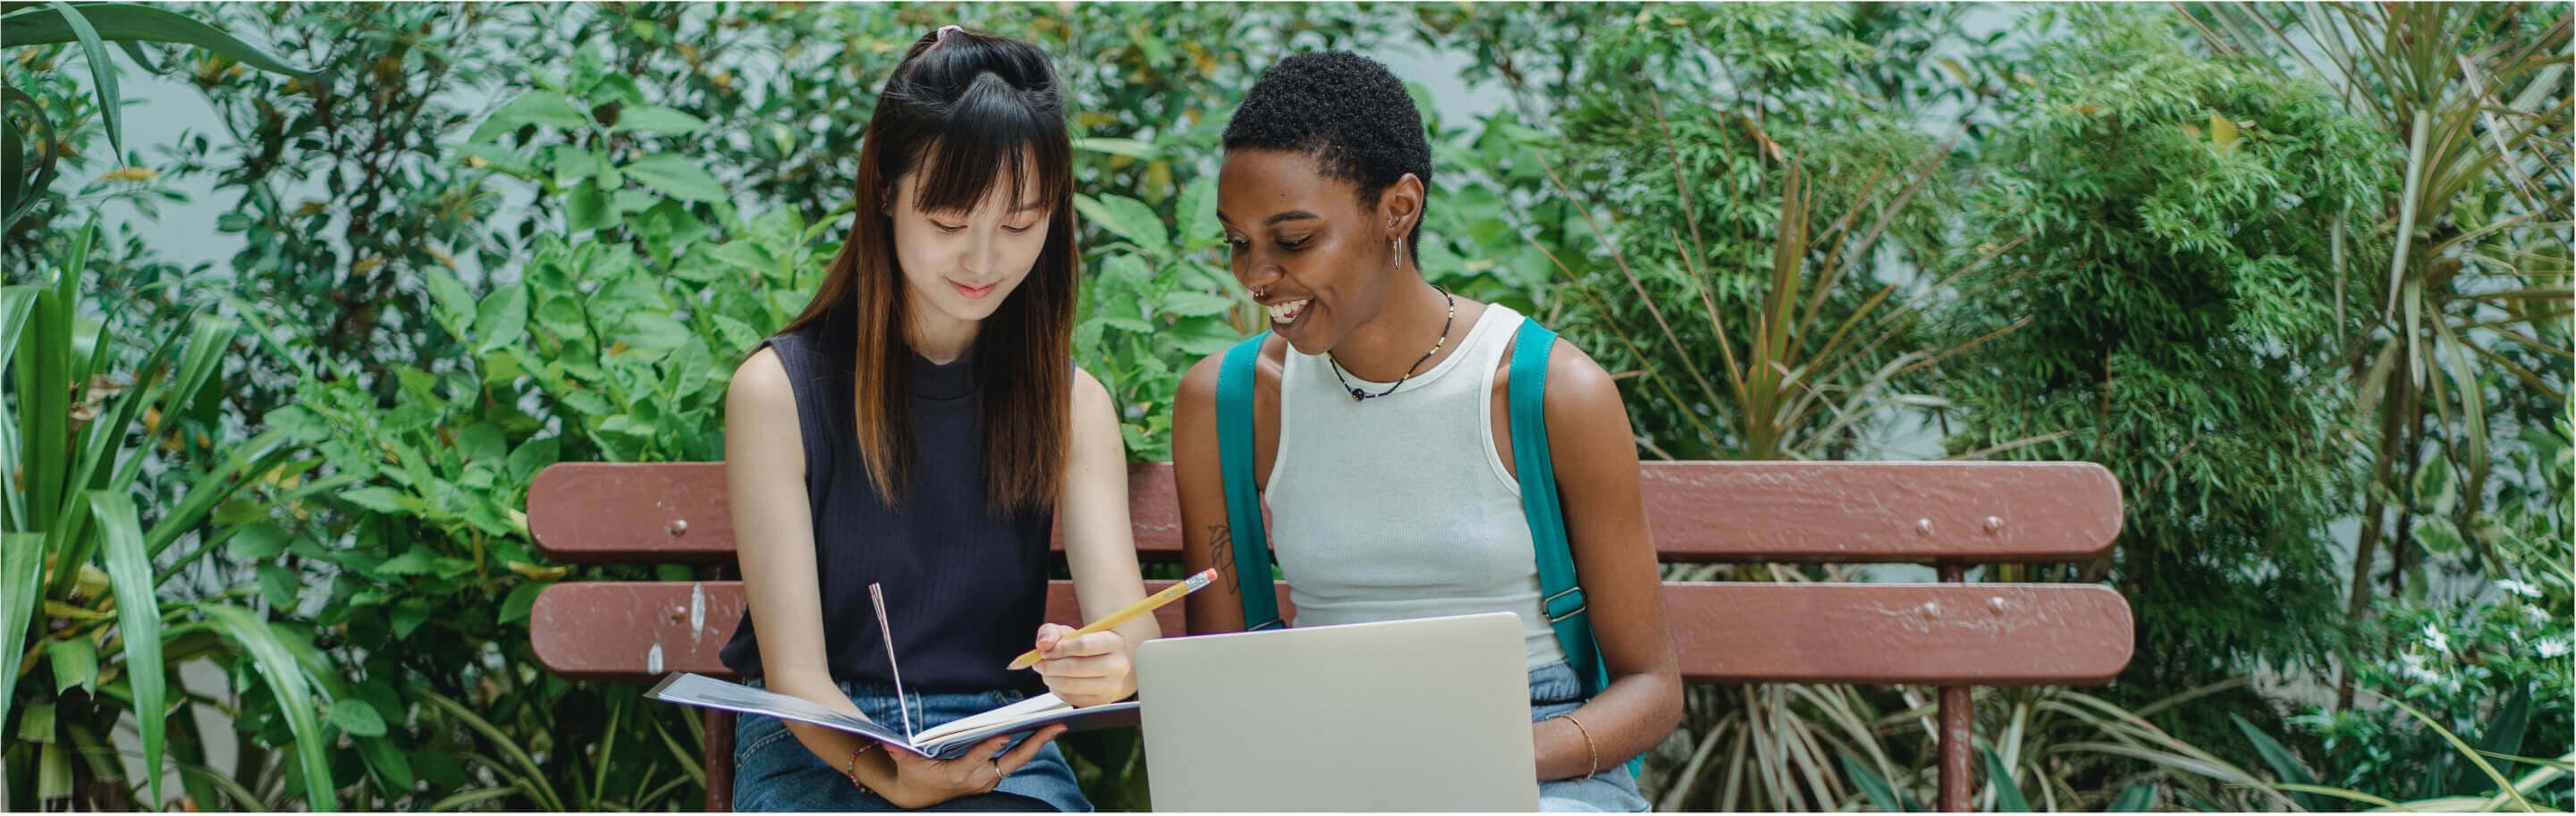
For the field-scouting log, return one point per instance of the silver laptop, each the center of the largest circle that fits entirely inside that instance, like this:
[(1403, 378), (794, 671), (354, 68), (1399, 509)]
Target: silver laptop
[(1414, 715)]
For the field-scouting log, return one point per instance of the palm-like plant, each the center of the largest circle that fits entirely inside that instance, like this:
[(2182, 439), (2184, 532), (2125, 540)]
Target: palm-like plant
[(92, 624), (2475, 291)]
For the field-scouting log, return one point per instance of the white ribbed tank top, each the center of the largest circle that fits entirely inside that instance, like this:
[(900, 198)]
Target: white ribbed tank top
[(1399, 506)]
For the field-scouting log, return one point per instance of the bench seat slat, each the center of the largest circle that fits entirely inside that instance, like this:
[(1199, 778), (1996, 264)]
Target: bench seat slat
[(1979, 634), (1854, 512)]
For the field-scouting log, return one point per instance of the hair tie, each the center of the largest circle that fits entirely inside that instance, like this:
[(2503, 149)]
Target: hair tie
[(946, 30)]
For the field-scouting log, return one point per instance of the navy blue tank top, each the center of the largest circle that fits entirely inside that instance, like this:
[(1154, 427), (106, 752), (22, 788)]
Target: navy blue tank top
[(965, 591)]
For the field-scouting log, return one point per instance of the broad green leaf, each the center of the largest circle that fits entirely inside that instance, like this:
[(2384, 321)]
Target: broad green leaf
[(2285, 765), (410, 614), (111, 105), (587, 207), (561, 313), (677, 176), (357, 717), (652, 332), (412, 562), (2000, 780), (138, 620), (279, 672), (522, 598), (574, 164), (2503, 733), (53, 769), (1194, 304), (532, 456), (454, 305), (238, 512), (388, 761), (481, 443), (501, 319), (126, 22), (21, 587), (209, 339), (1870, 784), (44, 369), (1197, 213), (738, 336), (2134, 799), (532, 108), (279, 585), (75, 663), (656, 119), (258, 542), (1127, 217), (507, 161), (379, 499), (37, 725)]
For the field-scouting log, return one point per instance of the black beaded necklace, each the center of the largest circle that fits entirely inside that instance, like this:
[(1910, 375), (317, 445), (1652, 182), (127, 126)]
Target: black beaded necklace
[(1358, 395)]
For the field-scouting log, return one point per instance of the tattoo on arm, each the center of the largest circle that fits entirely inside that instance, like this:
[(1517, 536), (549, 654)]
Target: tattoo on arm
[(1221, 552)]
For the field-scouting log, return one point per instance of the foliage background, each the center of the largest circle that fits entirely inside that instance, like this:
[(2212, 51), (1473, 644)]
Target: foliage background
[(483, 238)]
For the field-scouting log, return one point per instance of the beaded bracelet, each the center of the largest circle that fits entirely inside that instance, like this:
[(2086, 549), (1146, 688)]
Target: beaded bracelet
[(1588, 748), (852, 770)]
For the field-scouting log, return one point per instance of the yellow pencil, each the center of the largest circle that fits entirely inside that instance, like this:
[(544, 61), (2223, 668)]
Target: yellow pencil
[(1168, 595)]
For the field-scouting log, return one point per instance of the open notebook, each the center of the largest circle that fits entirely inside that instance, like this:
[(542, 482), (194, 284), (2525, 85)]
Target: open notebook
[(941, 742)]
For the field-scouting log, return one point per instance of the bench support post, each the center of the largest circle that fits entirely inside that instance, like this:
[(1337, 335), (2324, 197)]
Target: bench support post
[(719, 761), (1957, 735), (1955, 740)]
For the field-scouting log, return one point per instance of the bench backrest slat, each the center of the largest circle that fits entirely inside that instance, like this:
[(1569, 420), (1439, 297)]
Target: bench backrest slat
[(1985, 634), (1853, 512)]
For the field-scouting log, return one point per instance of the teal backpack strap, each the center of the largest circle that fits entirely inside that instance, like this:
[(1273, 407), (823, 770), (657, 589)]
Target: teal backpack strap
[(1561, 594), (1234, 382)]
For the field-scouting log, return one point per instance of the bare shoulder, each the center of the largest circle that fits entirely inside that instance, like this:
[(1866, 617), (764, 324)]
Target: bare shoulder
[(1576, 381), (1088, 391), (1197, 390), (761, 386), (1198, 384)]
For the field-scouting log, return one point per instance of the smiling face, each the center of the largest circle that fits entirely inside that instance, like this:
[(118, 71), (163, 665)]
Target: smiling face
[(1312, 253), (963, 263)]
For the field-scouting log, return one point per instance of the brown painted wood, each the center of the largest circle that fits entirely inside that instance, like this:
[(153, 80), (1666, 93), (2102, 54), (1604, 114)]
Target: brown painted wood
[(1934, 634), (1885, 512), (617, 512), (720, 767), (1957, 783), (676, 513), (1880, 512)]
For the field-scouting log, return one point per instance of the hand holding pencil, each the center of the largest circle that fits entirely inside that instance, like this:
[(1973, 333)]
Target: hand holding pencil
[(1114, 619), (1090, 666)]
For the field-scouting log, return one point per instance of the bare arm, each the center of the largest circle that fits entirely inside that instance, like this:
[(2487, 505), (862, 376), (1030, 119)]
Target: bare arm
[(1595, 453), (774, 542), (1100, 547), (1206, 541)]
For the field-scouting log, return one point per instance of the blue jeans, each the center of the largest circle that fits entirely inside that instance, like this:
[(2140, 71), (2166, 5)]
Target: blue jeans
[(775, 772), (1554, 690)]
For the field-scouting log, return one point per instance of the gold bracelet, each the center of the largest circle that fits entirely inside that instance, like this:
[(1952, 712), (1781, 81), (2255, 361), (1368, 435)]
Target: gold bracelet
[(1588, 748)]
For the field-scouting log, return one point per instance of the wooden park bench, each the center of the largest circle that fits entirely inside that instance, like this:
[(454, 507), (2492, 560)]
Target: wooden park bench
[(1949, 515)]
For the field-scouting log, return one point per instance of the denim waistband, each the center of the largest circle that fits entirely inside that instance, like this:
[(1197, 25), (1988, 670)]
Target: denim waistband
[(1554, 683)]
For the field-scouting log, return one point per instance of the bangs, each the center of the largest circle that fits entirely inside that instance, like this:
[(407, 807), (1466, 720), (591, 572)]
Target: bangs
[(993, 139)]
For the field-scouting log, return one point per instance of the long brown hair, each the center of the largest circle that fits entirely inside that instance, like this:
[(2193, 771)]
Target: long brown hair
[(966, 111)]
